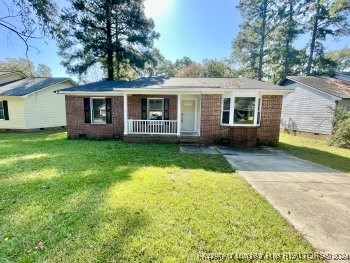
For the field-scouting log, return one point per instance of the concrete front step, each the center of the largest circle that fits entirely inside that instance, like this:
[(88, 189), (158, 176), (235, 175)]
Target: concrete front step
[(161, 138)]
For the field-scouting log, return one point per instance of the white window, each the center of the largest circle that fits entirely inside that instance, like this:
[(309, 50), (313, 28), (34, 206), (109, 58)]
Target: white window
[(2, 111), (244, 110), (241, 110), (98, 110), (259, 112), (226, 110), (155, 109)]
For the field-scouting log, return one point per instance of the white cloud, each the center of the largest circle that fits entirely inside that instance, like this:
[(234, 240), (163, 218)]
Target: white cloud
[(157, 8)]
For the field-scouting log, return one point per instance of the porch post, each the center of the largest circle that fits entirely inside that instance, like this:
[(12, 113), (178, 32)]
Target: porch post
[(125, 114), (178, 114)]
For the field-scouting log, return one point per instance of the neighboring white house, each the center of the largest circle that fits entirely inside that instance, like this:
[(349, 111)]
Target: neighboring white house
[(342, 76), (31, 103), (308, 108)]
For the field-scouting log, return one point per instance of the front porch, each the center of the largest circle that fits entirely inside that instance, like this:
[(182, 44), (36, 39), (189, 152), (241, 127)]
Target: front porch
[(166, 138), (162, 115)]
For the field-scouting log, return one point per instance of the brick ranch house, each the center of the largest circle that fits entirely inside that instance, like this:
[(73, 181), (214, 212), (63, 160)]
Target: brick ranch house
[(235, 111)]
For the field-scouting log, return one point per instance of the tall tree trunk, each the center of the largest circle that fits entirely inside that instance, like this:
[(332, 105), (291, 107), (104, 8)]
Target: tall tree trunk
[(117, 50), (262, 39), (110, 68), (288, 40), (313, 40)]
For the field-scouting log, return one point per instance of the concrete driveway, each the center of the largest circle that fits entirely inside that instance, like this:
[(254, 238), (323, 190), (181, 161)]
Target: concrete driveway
[(315, 199)]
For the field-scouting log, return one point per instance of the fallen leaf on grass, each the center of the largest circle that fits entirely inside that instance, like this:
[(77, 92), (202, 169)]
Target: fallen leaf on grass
[(8, 238), (38, 246)]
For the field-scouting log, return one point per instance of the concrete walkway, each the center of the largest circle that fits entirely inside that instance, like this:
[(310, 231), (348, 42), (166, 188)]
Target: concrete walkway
[(313, 198)]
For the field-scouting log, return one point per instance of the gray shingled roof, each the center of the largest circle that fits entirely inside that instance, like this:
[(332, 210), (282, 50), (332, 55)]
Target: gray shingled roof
[(236, 83), (28, 85), (333, 86)]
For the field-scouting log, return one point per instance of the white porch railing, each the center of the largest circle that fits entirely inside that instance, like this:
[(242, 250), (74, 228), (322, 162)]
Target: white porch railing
[(152, 127)]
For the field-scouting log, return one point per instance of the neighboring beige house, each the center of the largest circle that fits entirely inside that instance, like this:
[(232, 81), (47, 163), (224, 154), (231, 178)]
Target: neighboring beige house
[(31, 103)]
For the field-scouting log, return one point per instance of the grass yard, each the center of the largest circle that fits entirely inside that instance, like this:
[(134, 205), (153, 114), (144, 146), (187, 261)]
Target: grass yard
[(315, 150), (106, 201)]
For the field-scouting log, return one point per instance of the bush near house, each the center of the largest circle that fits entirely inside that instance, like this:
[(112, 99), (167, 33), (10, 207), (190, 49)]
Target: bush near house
[(341, 132)]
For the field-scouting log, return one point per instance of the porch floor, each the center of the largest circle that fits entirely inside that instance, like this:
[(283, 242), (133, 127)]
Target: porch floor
[(191, 138)]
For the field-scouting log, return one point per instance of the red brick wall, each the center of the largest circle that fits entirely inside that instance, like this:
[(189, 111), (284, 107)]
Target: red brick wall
[(76, 121), (213, 132), (210, 118), (269, 129), (134, 105)]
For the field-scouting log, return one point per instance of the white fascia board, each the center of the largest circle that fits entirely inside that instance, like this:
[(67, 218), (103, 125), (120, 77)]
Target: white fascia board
[(171, 90), (205, 91), (121, 92), (275, 92), (165, 92)]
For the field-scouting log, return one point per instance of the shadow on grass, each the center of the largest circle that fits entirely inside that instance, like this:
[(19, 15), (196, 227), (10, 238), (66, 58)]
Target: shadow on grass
[(63, 212), (314, 155), (52, 190)]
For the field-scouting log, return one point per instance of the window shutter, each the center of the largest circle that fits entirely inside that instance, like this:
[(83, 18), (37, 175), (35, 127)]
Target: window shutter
[(6, 109), (87, 111), (144, 109), (108, 110), (166, 109)]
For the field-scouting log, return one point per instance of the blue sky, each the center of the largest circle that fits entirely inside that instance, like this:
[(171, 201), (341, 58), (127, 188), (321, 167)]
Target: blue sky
[(198, 29)]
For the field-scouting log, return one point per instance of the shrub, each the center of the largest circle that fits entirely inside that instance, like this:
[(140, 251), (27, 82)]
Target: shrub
[(341, 135), (341, 131)]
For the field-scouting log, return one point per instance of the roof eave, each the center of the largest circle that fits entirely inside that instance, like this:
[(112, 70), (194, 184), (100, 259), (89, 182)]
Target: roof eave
[(56, 83), (89, 93), (144, 91), (333, 96)]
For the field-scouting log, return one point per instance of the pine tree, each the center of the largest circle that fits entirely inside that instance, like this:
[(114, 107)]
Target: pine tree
[(259, 17), (115, 33), (328, 18), (283, 58)]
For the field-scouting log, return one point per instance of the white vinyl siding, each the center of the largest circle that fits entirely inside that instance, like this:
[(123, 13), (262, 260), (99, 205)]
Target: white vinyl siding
[(307, 110), (16, 115), (44, 109)]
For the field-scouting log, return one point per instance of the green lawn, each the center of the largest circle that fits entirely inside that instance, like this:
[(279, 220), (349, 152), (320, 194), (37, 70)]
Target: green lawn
[(316, 150), (105, 201)]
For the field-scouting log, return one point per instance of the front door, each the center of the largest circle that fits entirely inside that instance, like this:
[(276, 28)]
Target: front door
[(188, 108)]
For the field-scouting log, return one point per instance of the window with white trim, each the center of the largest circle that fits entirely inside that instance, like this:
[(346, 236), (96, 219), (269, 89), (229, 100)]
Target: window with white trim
[(2, 111), (226, 111), (98, 110), (241, 110), (244, 112), (155, 109)]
